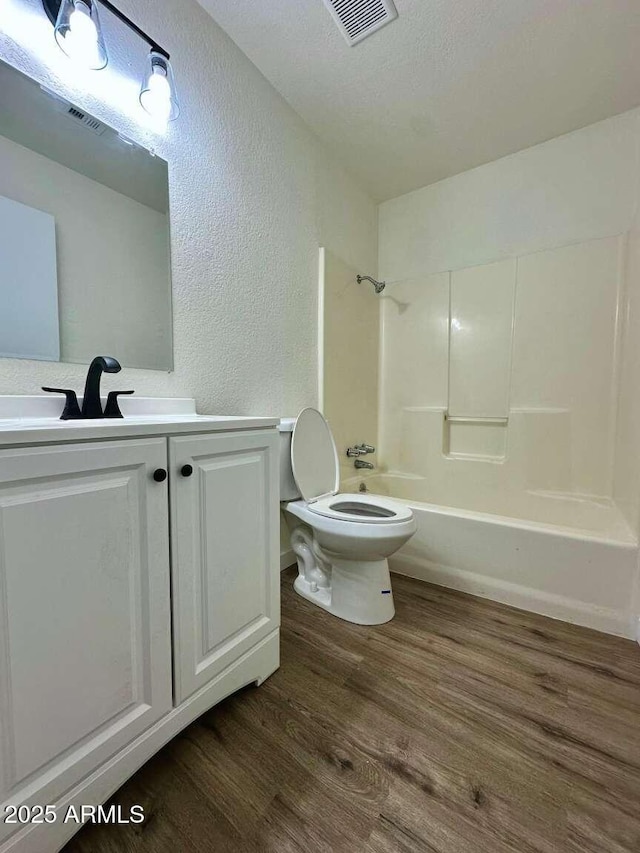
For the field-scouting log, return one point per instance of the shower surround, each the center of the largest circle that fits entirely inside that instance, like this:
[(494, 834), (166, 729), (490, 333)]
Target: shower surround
[(509, 379), (508, 403)]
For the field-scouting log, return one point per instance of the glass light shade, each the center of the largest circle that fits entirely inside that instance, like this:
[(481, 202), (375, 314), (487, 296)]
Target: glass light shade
[(158, 91), (79, 35)]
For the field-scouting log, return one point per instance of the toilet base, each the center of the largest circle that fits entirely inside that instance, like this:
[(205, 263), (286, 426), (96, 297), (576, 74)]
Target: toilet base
[(358, 592)]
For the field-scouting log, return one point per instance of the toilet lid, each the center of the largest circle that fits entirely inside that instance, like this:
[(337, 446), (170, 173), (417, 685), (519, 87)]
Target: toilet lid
[(314, 458)]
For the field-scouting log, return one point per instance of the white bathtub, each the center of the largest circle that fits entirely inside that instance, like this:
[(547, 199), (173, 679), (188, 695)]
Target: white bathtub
[(587, 574)]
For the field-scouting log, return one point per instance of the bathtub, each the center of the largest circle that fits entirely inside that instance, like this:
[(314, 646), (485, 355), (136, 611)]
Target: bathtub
[(581, 568)]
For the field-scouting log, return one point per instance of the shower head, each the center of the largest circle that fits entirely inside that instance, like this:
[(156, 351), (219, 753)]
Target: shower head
[(378, 285)]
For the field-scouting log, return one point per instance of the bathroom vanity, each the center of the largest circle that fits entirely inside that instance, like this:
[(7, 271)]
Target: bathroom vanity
[(139, 585), (139, 556)]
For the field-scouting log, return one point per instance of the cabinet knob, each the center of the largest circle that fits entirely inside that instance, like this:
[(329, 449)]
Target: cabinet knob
[(186, 470), (160, 475)]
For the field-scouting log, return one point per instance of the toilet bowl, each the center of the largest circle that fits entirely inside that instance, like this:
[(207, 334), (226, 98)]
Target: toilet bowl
[(341, 541)]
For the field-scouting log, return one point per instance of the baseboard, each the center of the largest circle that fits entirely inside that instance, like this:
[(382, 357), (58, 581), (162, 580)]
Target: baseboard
[(287, 558), (547, 604)]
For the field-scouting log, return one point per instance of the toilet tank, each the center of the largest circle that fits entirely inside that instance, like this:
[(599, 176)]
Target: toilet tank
[(288, 489)]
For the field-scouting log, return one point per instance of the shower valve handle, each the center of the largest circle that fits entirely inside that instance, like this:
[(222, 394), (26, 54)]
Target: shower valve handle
[(365, 448), (354, 451)]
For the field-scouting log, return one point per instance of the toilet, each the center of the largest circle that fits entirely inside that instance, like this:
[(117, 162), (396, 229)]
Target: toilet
[(341, 541)]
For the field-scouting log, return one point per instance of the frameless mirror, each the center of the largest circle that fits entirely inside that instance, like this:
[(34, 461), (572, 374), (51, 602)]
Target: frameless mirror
[(84, 235)]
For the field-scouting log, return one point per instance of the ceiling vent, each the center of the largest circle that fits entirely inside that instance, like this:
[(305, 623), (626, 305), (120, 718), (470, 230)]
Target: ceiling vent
[(357, 19)]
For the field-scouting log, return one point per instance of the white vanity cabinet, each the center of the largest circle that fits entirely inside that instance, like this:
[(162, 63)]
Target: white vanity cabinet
[(85, 619), (92, 681), (224, 522)]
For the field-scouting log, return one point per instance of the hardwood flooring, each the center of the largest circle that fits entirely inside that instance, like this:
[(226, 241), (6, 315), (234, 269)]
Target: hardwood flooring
[(462, 726)]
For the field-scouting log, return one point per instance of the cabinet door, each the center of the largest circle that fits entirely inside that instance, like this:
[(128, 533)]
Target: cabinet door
[(85, 656), (225, 550)]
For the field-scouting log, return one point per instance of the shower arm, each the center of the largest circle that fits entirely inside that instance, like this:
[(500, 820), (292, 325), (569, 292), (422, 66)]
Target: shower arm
[(378, 285)]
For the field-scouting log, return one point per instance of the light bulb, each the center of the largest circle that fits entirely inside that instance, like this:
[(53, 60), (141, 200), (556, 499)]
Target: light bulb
[(82, 37), (156, 99), (78, 33), (157, 95)]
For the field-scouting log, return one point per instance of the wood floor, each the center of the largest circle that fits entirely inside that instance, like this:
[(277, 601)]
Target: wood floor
[(462, 726)]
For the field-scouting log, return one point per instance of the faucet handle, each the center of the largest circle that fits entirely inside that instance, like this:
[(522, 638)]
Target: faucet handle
[(71, 411), (354, 451), (365, 448), (112, 409)]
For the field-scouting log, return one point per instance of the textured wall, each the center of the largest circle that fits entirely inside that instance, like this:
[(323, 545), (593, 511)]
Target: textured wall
[(253, 196)]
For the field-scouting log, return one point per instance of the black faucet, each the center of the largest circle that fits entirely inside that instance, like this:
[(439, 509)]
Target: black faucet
[(91, 403)]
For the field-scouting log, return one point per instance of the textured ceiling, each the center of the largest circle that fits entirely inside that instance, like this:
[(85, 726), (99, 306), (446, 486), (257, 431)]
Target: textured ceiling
[(449, 85)]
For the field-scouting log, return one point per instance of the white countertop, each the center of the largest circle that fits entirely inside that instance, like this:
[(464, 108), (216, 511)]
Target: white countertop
[(36, 419)]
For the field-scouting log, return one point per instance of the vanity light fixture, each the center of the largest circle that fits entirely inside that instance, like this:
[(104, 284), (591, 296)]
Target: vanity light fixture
[(78, 34)]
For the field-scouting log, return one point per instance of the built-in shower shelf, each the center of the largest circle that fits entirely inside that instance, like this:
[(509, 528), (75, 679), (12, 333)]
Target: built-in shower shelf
[(474, 438)]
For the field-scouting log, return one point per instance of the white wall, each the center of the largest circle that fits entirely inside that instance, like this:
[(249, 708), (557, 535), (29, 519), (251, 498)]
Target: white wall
[(253, 195), (506, 297), (112, 261), (572, 189)]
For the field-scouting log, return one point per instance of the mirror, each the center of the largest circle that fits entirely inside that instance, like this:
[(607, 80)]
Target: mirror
[(84, 235)]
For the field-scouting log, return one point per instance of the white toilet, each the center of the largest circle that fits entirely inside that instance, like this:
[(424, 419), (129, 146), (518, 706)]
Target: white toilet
[(341, 541)]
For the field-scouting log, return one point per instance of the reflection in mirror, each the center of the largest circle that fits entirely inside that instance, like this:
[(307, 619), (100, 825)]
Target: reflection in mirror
[(84, 235)]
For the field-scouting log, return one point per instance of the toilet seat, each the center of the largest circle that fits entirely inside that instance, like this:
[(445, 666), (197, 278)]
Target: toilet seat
[(316, 471), (362, 508), (359, 532)]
